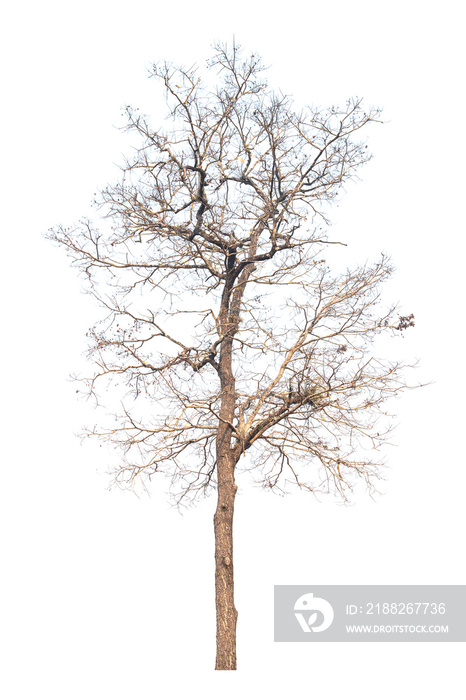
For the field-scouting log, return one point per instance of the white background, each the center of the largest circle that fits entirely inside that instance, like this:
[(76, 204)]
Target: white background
[(105, 595)]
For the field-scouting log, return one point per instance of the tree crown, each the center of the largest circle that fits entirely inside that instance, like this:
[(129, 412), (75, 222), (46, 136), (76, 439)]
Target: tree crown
[(222, 316)]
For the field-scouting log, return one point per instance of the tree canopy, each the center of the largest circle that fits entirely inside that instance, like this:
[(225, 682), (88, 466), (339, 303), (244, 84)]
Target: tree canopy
[(224, 326)]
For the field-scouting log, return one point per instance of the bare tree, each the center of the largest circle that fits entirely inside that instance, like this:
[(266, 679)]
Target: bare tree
[(235, 344)]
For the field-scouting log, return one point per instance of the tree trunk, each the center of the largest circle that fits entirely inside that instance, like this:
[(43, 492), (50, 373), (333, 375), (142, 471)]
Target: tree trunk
[(226, 462), (224, 583)]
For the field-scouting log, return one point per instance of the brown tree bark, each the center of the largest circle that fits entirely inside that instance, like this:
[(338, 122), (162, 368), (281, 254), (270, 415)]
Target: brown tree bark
[(224, 581), (223, 519)]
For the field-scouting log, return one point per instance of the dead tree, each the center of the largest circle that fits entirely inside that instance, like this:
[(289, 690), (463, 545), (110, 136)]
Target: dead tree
[(233, 342)]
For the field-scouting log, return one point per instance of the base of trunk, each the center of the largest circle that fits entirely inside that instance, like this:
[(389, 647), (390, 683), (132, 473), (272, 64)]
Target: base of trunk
[(224, 582)]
